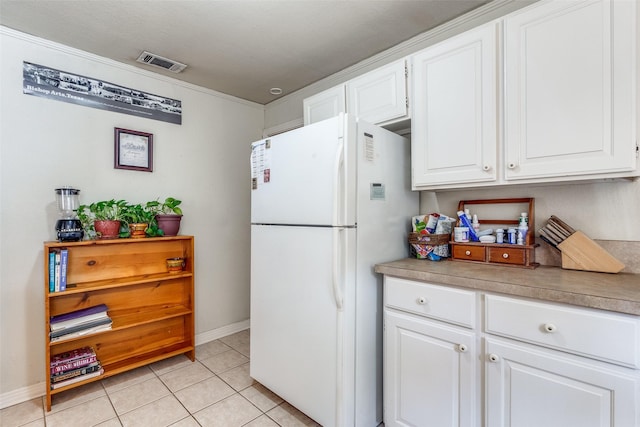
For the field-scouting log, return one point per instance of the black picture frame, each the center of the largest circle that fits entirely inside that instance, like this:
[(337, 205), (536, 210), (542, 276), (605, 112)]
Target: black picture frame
[(133, 150)]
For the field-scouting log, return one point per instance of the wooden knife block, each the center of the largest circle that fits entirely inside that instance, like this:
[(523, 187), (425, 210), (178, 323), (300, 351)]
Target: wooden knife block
[(579, 252)]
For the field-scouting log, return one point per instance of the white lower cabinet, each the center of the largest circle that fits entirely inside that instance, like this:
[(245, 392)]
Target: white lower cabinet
[(532, 363), (430, 355), (529, 386), (430, 373)]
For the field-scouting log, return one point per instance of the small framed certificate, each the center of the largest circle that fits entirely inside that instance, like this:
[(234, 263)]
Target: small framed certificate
[(133, 150)]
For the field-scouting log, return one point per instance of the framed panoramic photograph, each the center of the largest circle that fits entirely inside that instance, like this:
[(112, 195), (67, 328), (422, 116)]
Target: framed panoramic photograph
[(133, 150)]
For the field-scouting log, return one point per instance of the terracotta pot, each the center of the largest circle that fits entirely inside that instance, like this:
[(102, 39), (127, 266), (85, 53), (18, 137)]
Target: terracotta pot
[(138, 230), (107, 229), (170, 224)]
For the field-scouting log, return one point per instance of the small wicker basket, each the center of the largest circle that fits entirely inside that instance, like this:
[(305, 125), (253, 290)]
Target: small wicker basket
[(421, 245)]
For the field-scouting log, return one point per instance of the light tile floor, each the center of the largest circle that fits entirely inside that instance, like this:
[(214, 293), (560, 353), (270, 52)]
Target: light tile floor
[(215, 390)]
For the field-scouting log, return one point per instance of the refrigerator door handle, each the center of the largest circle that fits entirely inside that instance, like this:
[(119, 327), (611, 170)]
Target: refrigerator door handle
[(338, 169), (336, 270)]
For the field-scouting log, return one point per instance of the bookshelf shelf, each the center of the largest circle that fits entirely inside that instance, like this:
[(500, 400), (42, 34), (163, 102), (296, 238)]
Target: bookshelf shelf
[(152, 311), (75, 288)]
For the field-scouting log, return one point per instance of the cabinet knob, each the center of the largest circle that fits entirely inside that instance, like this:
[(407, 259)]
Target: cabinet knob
[(462, 348), (486, 168), (511, 165), (550, 327), (467, 253), (494, 358), (505, 255), (422, 300)]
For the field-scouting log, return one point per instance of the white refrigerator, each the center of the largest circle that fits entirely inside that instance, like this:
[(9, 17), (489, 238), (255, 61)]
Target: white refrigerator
[(328, 202)]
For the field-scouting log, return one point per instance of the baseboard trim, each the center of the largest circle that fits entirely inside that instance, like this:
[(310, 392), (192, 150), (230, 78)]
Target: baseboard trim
[(34, 391), (214, 334)]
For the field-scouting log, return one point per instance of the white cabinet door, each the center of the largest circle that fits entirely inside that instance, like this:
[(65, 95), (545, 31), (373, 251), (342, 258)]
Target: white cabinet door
[(528, 386), (429, 373), (324, 105), (381, 95), (569, 89), (454, 118)]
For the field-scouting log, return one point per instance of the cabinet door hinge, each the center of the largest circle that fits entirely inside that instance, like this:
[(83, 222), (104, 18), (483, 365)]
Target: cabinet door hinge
[(406, 101), (406, 71), (637, 150)]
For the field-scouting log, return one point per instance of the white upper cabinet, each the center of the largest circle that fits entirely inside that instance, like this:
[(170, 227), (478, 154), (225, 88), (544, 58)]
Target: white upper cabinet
[(455, 111), (381, 95), (324, 105), (378, 97), (570, 70)]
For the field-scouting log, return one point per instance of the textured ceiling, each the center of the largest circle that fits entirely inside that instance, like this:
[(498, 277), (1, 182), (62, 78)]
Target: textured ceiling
[(241, 48)]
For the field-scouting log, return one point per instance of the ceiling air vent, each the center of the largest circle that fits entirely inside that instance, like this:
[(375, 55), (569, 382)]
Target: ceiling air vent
[(159, 61)]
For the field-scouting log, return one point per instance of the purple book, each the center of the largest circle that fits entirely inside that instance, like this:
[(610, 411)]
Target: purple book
[(78, 313)]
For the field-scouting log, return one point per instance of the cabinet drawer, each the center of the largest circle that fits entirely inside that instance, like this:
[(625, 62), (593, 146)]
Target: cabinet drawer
[(438, 302), (468, 252), (598, 334), (507, 255)]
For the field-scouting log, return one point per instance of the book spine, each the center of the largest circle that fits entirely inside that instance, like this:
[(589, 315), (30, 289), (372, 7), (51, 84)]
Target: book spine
[(73, 365), (64, 261), (57, 283), (76, 372), (74, 354), (52, 271)]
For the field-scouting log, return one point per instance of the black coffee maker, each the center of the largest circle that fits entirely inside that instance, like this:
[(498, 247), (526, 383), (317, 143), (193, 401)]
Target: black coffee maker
[(69, 227)]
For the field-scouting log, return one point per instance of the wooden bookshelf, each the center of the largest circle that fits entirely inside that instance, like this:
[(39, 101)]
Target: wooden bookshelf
[(152, 310)]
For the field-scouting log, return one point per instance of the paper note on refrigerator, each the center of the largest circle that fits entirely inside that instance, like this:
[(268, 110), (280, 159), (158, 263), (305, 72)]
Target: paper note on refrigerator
[(260, 164)]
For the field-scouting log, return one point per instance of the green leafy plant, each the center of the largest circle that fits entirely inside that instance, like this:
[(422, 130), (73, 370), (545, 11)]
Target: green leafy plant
[(140, 213), (137, 214), (168, 207), (105, 210)]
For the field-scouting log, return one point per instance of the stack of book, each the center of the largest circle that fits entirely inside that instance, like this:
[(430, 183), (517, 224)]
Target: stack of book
[(74, 366), (80, 322)]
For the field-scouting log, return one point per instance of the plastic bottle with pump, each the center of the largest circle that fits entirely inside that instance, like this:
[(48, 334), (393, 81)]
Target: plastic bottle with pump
[(523, 228)]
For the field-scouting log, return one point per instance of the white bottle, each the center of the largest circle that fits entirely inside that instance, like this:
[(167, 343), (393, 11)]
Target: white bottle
[(523, 228), (475, 224)]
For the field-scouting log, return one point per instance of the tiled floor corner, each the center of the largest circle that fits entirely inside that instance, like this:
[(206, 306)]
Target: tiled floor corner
[(215, 390)]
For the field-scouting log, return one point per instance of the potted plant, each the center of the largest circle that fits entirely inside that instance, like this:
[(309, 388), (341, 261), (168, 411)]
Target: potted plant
[(168, 215), (102, 219), (137, 219)]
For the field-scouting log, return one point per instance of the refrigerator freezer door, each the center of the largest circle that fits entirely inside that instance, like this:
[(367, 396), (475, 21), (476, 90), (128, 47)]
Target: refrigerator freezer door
[(301, 318), (305, 177)]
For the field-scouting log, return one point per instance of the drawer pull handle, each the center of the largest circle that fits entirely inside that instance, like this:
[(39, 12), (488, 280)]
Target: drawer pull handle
[(462, 348), (511, 165), (467, 253), (505, 255), (486, 168), (494, 358), (422, 300), (550, 327)]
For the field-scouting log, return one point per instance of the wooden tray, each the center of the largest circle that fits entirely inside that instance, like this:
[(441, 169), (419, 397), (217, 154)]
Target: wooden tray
[(496, 253)]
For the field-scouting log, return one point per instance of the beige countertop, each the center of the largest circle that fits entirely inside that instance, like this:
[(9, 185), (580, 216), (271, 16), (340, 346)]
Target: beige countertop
[(615, 292)]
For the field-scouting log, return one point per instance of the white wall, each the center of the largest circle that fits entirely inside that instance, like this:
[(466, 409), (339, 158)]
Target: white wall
[(45, 144)]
